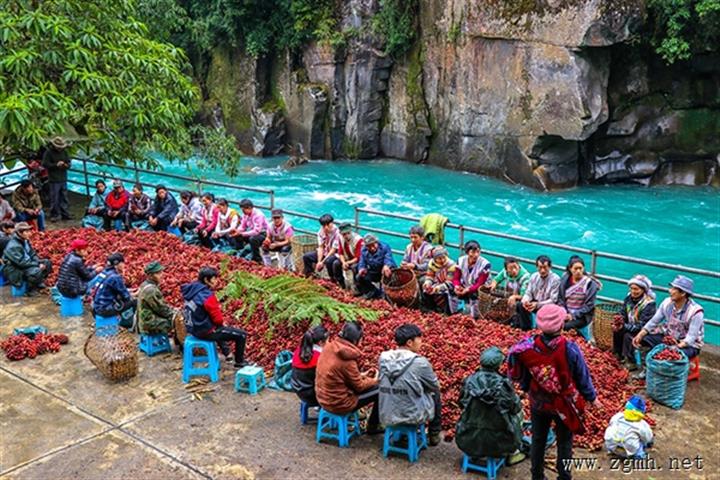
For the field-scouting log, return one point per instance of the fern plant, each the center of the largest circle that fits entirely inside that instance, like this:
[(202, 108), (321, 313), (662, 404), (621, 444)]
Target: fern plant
[(290, 300)]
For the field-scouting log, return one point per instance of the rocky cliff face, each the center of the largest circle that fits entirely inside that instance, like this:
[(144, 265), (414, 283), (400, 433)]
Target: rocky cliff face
[(541, 93)]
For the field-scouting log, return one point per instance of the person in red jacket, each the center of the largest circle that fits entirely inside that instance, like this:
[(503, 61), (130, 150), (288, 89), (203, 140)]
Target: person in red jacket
[(117, 205), (304, 363), (203, 309)]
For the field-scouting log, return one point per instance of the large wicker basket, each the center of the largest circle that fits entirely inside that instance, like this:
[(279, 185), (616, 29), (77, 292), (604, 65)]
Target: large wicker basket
[(302, 244), (494, 306), (603, 324), (402, 288), (116, 356)]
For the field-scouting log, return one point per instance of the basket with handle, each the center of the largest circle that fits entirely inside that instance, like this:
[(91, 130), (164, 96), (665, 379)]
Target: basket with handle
[(494, 306), (402, 288), (302, 244), (115, 355), (603, 324)]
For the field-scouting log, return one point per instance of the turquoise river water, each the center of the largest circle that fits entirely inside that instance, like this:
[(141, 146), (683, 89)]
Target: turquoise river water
[(669, 224)]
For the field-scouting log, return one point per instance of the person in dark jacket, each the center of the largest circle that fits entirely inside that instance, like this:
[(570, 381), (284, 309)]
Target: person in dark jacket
[(22, 264), (304, 363), (112, 298), (577, 295), (74, 274), (552, 369), (138, 208), (491, 422), (376, 261), (206, 318), (27, 205), (95, 212), (638, 308), (57, 162), (164, 210), (6, 230)]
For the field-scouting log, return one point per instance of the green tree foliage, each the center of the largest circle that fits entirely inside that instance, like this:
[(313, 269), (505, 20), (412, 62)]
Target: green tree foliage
[(395, 23), (683, 28)]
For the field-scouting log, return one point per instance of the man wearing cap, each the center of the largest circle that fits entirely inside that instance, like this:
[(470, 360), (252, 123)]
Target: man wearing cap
[(27, 204), (112, 297), (638, 308), (21, 262), (154, 315), (328, 238), (278, 239), (138, 208), (116, 204), (376, 261), (552, 369), (351, 245), (164, 209), (681, 318), (57, 162), (74, 274), (252, 229)]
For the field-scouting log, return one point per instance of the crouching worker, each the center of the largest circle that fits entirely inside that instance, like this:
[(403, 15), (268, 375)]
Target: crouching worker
[(278, 240), (628, 434), (112, 297), (21, 262), (304, 364), (74, 275), (204, 318), (339, 385), (491, 422), (376, 261), (155, 317), (438, 282), (409, 388)]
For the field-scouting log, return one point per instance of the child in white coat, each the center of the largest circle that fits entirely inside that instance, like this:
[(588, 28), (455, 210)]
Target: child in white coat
[(628, 434)]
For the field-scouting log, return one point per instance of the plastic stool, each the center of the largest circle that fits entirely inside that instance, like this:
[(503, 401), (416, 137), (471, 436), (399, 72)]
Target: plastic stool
[(3, 280), (175, 231), (638, 358), (491, 468), (533, 321), (105, 326), (250, 379), (153, 344), (394, 433), (305, 417), (189, 359), (694, 370), (18, 291), (339, 423), (118, 225), (71, 307)]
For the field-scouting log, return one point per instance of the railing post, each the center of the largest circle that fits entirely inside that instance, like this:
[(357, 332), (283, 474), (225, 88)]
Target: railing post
[(87, 180), (461, 241), (137, 174), (593, 262), (272, 199), (357, 219), (199, 187)]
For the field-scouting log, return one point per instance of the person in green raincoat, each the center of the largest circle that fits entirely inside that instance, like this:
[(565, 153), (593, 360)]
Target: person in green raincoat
[(155, 317), (491, 422)]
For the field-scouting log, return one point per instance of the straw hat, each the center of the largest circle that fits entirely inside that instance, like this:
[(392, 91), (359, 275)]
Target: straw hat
[(59, 143)]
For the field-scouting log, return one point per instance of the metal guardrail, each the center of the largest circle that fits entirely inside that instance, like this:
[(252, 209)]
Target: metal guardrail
[(461, 229)]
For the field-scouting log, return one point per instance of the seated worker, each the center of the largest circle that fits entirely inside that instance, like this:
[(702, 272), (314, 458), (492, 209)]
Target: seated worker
[(164, 209), (438, 281), (75, 275), (304, 364), (491, 422), (513, 279), (252, 229), (228, 220), (21, 262), (418, 253), (116, 205), (680, 317), (155, 316), (409, 388), (28, 206), (190, 214), (6, 230), (326, 254), (351, 244), (339, 385), (112, 297), (95, 213), (203, 308), (472, 272), (138, 209), (542, 290), (210, 217), (376, 261), (279, 239), (7, 213), (577, 294), (638, 308), (628, 434)]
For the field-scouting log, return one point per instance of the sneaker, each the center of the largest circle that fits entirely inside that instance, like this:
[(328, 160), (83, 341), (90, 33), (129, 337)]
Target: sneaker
[(640, 375), (374, 430), (54, 219), (242, 364), (434, 439), (515, 458)]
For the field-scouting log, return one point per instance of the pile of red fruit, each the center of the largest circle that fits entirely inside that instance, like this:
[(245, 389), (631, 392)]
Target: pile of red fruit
[(452, 344), (18, 347), (669, 354), (669, 340)]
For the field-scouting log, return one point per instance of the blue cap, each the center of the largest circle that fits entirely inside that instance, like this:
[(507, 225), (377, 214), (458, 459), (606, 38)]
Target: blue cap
[(636, 402), (684, 283)]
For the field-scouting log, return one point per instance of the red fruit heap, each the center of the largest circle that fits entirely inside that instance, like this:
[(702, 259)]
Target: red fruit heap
[(670, 354), (18, 347), (452, 344)]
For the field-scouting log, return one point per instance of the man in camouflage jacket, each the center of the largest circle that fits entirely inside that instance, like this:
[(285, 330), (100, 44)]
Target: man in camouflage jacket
[(154, 315)]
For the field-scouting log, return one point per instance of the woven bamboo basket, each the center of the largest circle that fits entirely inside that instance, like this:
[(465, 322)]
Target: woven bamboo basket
[(302, 244), (179, 326), (402, 288), (494, 306), (603, 324), (116, 356)]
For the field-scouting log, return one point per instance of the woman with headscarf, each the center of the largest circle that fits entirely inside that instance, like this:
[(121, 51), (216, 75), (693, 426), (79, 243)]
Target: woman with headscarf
[(438, 281), (638, 308), (577, 294)]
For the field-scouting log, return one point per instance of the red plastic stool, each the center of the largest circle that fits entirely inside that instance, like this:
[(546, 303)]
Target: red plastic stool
[(694, 371)]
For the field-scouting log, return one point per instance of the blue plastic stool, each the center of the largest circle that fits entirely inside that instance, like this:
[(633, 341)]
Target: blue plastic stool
[(175, 231), (18, 291), (533, 321), (585, 332), (638, 358), (105, 326), (339, 423), (305, 417), (3, 280), (118, 225), (491, 468), (189, 359), (250, 379), (71, 307), (416, 443), (153, 344)]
